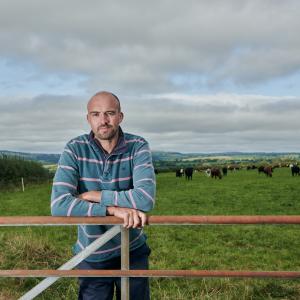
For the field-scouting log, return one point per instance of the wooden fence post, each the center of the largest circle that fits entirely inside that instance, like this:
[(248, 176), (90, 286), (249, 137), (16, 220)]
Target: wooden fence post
[(22, 180)]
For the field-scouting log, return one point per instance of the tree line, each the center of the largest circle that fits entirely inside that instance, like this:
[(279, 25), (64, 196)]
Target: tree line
[(13, 168)]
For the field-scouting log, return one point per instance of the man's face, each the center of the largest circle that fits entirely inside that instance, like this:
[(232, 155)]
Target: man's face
[(104, 117)]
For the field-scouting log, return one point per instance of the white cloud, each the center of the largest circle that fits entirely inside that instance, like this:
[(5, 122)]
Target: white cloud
[(187, 72)]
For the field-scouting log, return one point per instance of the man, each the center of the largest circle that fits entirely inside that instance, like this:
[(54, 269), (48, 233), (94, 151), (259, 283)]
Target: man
[(107, 172)]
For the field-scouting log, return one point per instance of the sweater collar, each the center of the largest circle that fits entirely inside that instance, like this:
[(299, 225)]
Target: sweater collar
[(120, 148)]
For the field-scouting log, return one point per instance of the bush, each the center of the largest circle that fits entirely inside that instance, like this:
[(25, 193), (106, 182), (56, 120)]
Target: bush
[(13, 168)]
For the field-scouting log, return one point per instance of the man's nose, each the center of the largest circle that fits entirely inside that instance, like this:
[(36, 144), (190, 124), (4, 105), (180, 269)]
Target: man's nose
[(103, 118)]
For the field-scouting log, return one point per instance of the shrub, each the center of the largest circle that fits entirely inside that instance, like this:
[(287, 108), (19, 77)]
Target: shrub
[(13, 168)]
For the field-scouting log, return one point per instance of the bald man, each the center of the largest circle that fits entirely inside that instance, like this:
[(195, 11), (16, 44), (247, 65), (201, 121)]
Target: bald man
[(107, 172)]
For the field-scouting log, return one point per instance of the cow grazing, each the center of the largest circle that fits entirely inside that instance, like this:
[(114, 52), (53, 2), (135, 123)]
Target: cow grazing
[(233, 167), (178, 173), (268, 171), (208, 172), (216, 172), (224, 171), (251, 167), (295, 170), (261, 169), (181, 172), (189, 173)]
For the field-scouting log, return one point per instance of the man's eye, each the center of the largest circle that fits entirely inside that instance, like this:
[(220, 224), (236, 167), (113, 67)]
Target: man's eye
[(111, 113), (95, 114)]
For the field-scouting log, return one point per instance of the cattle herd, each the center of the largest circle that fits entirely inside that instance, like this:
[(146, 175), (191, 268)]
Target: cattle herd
[(217, 172)]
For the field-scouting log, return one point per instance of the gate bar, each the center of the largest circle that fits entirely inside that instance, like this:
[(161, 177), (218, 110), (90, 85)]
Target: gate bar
[(150, 273), (152, 220)]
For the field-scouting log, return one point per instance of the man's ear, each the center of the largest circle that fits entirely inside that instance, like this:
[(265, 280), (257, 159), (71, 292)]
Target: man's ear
[(121, 117)]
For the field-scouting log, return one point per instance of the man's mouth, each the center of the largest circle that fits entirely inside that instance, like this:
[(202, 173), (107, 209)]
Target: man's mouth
[(106, 127)]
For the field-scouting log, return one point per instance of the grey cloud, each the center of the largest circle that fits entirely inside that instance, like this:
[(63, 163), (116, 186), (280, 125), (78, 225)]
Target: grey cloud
[(139, 46), (44, 123), (282, 106), (136, 48), (170, 122), (227, 142)]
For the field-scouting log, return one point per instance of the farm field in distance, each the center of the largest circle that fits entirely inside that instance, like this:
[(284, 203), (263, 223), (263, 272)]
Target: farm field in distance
[(230, 247)]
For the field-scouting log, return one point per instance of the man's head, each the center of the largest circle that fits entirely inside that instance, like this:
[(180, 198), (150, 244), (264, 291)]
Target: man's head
[(104, 115)]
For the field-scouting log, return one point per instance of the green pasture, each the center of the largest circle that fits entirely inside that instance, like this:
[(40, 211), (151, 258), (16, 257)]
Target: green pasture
[(231, 247)]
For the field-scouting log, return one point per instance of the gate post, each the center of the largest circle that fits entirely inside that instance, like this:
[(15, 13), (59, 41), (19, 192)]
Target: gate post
[(124, 262)]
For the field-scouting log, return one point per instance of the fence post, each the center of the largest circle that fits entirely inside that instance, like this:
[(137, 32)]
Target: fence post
[(124, 262), (22, 181)]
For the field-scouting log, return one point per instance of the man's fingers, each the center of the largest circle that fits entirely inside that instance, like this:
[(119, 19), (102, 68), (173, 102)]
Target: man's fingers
[(130, 220), (143, 218), (126, 220), (136, 220)]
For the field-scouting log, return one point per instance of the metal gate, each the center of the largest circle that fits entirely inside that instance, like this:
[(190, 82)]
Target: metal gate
[(66, 269)]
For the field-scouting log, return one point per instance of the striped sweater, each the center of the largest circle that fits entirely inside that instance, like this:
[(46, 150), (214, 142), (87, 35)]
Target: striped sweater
[(125, 178)]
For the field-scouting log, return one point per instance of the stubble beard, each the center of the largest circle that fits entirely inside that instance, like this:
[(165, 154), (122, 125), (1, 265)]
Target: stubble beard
[(107, 136)]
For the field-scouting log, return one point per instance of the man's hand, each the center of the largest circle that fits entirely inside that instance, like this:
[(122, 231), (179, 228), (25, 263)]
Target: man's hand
[(132, 218), (91, 196)]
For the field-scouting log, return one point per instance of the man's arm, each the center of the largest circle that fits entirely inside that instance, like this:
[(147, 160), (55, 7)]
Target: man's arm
[(142, 196), (64, 197), (66, 202)]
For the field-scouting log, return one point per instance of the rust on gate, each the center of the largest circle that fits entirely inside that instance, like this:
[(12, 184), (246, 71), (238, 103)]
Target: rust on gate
[(152, 220)]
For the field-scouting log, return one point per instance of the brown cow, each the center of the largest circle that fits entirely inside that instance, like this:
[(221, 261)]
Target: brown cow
[(268, 171), (216, 172)]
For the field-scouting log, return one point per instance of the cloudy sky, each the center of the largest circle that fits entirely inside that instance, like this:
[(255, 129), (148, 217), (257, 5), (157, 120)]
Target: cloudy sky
[(192, 76)]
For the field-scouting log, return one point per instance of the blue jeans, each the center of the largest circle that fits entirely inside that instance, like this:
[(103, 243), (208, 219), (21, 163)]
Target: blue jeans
[(102, 288)]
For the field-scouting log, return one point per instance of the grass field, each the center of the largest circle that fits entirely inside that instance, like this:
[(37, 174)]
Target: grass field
[(238, 247)]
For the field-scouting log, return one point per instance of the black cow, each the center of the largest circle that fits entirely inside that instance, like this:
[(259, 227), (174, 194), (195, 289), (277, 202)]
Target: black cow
[(189, 173), (251, 167), (295, 170), (216, 172), (261, 169), (156, 171), (179, 173), (224, 171)]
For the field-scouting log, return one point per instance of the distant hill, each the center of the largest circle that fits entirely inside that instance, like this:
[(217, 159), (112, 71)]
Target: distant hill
[(168, 156), (165, 156)]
